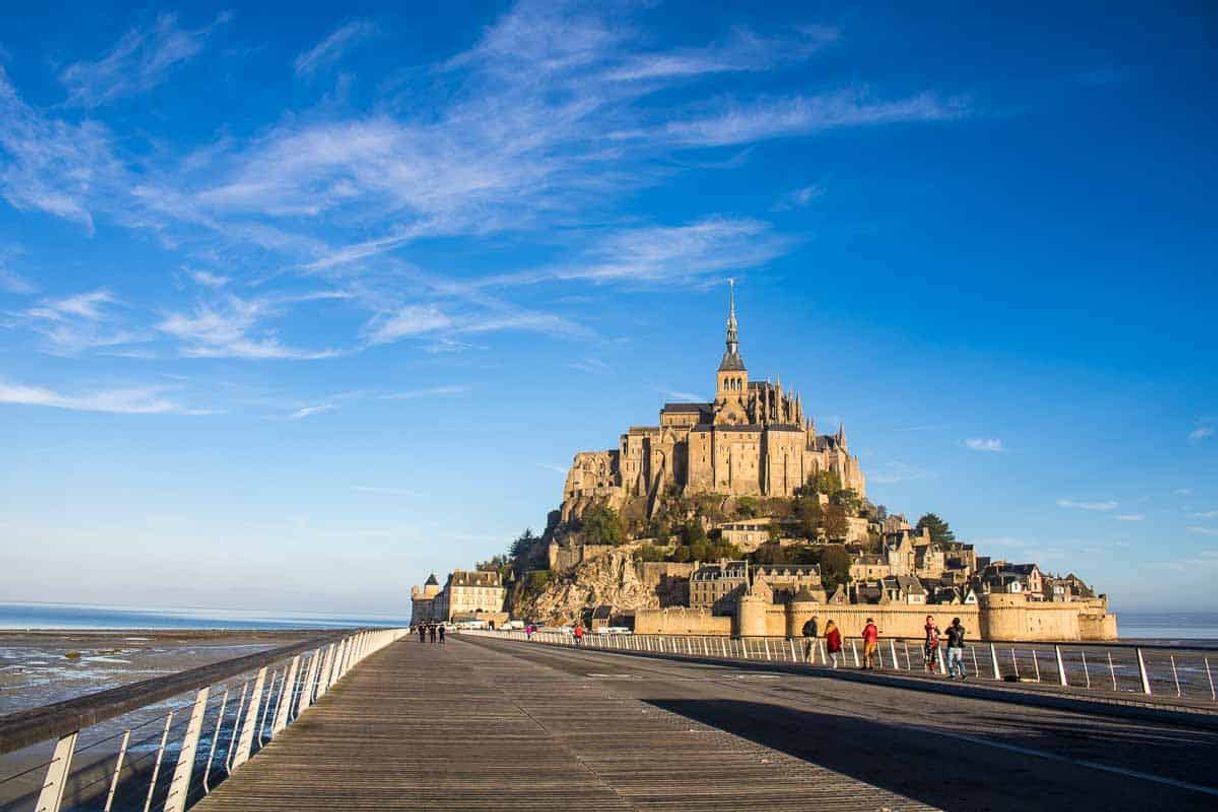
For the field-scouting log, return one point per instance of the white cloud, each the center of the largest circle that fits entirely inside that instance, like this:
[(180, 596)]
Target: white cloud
[(990, 444), (332, 48), (12, 282), (139, 61), (52, 166), (1100, 506), (678, 396), (1200, 433), (77, 323), (208, 279), (1130, 517), (558, 469), (138, 400), (1208, 514), (1183, 491), (411, 320), (798, 198), (384, 490), (308, 411), (429, 392), (1204, 531), (229, 328), (801, 116)]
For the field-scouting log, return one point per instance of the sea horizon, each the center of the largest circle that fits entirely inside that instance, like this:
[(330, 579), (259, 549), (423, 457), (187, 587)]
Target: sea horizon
[(59, 616), (1158, 625)]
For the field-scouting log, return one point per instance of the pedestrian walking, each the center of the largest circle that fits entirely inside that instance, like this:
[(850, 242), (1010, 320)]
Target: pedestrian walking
[(431, 632), (833, 642), (441, 632), (528, 631), (930, 645), (955, 649), (810, 632), (871, 645), (579, 634), (422, 633)]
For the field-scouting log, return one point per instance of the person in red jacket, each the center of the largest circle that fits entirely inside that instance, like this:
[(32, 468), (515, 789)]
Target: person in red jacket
[(833, 642), (579, 634), (871, 645)]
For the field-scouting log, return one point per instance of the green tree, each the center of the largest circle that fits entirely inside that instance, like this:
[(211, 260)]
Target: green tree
[(807, 512), (602, 525), (835, 523), (849, 500), (827, 482), (746, 507), (940, 531), (522, 547), (834, 565)]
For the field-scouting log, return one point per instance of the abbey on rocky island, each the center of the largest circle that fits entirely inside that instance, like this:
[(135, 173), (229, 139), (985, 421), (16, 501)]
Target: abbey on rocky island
[(752, 440)]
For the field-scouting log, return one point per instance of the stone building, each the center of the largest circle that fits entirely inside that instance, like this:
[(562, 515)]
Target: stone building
[(753, 439), (422, 600), (466, 594), (718, 586)]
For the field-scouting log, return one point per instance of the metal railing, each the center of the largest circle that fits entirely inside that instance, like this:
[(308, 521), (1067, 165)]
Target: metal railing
[(167, 742), (1185, 675)]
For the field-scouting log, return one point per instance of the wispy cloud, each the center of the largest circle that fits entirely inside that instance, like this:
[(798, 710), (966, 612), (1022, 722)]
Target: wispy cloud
[(799, 116), (677, 396), (984, 444), (1207, 514), (558, 469), (13, 282), (332, 48), (1100, 506), (1204, 531), (798, 198), (1183, 491), (230, 327), (429, 392), (137, 400), (208, 279), (1200, 433), (139, 61), (383, 490), (309, 411), (74, 324), (52, 166), (1130, 517)]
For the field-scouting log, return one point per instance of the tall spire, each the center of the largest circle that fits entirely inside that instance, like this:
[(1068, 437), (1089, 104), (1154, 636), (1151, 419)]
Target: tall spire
[(733, 338), (731, 355)]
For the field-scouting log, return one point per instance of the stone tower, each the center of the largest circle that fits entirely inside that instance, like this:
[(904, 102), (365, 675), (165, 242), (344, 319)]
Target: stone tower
[(732, 379)]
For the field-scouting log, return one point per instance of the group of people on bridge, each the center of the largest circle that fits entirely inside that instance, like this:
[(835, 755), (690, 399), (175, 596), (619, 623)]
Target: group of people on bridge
[(871, 645), (430, 632)]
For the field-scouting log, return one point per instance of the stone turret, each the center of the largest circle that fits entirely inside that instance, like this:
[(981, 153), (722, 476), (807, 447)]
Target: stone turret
[(800, 610)]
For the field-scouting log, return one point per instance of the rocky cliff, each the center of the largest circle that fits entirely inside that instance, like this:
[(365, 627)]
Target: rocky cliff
[(611, 580)]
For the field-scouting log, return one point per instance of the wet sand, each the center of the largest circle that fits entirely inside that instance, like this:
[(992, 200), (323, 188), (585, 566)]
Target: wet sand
[(41, 667)]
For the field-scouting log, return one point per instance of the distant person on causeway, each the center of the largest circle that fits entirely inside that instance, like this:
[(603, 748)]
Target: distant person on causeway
[(871, 645), (810, 632), (955, 649)]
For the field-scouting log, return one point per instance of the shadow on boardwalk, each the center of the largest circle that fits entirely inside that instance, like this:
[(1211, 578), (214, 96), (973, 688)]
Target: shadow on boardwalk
[(964, 774)]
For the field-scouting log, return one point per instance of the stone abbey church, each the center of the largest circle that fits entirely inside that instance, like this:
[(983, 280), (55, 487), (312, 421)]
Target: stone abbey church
[(752, 440)]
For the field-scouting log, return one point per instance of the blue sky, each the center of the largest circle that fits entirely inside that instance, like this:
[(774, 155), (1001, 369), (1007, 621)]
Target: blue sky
[(296, 307)]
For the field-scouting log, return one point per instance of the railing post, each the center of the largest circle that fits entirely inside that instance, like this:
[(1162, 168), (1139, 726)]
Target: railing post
[(942, 665), (306, 690), (854, 647), (1142, 672), (211, 755), (327, 671), (1061, 667), (180, 785), (246, 742), (994, 661), (57, 775), (289, 685), (118, 769), (892, 647), (156, 765)]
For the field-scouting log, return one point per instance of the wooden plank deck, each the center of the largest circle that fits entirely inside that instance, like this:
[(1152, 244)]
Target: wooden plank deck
[(464, 726)]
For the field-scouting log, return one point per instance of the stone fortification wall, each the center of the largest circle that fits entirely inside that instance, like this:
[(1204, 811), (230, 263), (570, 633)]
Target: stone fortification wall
[(1010, 617), (563, 558), (681, 620)]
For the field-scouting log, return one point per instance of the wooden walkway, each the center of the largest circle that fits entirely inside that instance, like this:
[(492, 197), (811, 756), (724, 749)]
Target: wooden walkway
[(465, 726)]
